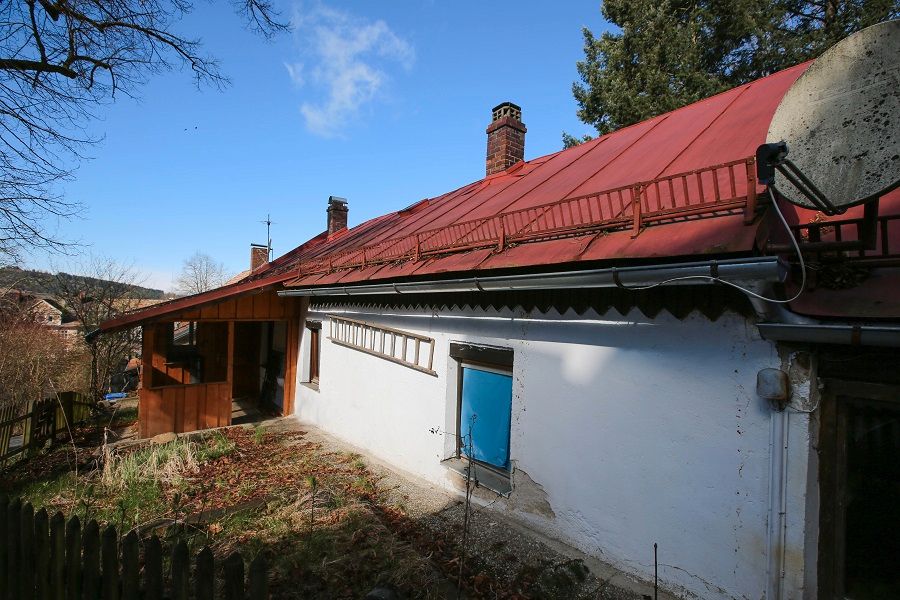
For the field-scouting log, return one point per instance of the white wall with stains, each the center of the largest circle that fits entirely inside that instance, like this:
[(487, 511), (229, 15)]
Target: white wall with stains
[(625, 431)]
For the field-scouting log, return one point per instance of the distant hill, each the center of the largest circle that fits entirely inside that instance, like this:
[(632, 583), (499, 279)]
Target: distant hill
[(46, 283)]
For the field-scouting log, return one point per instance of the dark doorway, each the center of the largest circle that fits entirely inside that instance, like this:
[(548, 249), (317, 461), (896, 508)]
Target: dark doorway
[(872, 496), (861, 491), (259, 369)]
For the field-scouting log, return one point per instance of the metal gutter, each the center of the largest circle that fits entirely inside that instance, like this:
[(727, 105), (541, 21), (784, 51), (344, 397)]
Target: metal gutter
[(741, 270), (756, 274), (832, 333)]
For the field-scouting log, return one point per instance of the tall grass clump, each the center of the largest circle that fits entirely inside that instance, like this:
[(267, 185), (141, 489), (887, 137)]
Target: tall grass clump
[(215, 446), (163, 463)]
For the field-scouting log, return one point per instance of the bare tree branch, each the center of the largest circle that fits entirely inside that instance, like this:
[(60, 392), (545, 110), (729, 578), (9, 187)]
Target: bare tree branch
[(103, 289), (60, 63), (200, 273)]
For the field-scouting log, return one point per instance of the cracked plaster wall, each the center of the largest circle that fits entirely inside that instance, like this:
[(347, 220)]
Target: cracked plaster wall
[(625, 431)]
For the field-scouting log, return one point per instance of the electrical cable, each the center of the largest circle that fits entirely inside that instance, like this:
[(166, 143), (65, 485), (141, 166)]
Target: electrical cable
[(734, 285)]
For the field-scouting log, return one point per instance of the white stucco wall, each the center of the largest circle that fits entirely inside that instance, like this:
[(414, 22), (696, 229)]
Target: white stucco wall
[(633, 431)]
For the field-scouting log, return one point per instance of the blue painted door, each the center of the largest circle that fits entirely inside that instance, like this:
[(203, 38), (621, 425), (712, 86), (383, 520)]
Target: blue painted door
[(488, 396)]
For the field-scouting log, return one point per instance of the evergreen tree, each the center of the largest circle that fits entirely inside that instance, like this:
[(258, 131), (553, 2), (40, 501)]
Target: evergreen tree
[(670, 53)]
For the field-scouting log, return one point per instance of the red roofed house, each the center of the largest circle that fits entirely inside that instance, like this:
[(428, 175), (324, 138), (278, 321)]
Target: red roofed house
[(561, 326)]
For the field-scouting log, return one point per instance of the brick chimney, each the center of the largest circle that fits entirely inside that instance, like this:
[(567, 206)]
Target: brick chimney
[(506, 138), (337, 214), (259, 255)]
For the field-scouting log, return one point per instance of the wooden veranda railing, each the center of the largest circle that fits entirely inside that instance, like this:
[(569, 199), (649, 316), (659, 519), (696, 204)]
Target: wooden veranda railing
[(31, 426), (726, 188)]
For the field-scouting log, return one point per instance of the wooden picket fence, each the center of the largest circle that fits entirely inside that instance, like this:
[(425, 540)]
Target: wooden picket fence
[(40, 422), (49, 558)]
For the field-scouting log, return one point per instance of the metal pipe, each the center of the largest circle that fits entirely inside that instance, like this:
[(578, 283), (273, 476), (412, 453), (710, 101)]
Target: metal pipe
[(770, 269), (783, 491), (776, 534), (832, 333)]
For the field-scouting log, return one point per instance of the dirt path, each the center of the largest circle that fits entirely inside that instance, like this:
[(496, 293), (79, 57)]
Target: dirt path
[(502, 554)]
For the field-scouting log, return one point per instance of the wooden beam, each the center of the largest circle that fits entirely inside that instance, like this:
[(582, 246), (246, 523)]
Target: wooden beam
[(290, 369), (230, 371)]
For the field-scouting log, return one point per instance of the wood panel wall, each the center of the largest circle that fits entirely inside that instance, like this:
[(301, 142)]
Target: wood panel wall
[(262, 306), (170, 403), (182, 408)]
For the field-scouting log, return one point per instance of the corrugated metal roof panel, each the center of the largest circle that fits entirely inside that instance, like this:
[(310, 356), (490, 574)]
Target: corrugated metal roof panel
[(725, 127), (738, 131), (454, 263)]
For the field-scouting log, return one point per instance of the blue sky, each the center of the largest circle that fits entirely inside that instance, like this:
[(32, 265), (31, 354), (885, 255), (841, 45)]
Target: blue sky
[(384, 103)]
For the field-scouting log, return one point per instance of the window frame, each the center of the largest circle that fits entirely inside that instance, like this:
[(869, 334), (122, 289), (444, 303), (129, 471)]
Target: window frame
[(314, 360), (186, 356), (492, 359), (191, 342)]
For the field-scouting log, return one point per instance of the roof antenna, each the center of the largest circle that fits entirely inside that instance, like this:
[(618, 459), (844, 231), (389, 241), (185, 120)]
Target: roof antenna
[(268, 223)]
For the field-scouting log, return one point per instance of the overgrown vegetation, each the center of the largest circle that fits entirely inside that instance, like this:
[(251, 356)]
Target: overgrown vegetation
[(317, 515), (37, 360), (330, 527), (34, 361)]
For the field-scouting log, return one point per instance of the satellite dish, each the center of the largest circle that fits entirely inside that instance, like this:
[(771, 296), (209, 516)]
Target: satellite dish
[(840, 122)]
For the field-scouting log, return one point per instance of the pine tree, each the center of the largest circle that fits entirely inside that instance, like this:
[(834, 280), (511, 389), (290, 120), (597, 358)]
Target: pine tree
[(670, 53)]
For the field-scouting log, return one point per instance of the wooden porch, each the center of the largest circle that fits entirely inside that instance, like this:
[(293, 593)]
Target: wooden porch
[(198, 362)]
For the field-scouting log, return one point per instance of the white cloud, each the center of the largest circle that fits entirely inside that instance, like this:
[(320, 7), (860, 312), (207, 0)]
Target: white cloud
[(295, 72), (347, 60)]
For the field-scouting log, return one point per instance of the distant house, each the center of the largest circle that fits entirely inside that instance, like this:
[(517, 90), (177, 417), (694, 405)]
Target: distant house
[(45, 310), (561, 327)]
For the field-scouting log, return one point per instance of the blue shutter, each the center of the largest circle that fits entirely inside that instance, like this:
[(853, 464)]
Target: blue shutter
[(488, 396)]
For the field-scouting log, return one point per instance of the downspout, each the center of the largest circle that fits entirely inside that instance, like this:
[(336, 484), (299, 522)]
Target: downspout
[(782, 515), (776, 535)]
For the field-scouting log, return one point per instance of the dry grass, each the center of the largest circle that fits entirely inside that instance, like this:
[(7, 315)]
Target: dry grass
[(316, 515), (166, 464)]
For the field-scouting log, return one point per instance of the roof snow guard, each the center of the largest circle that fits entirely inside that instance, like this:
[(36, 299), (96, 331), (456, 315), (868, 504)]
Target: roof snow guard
[(679, 186), (727, 188)]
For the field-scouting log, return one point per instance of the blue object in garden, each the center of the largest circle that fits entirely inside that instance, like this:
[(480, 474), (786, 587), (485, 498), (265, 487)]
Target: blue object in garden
[(115, 396)]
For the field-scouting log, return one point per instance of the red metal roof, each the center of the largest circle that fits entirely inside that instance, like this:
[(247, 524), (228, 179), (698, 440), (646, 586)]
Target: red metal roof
[(578, 204), (677, 185)]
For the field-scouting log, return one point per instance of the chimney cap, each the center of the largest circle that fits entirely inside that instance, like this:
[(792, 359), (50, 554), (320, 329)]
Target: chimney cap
[(336, 201), (506, 109)]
